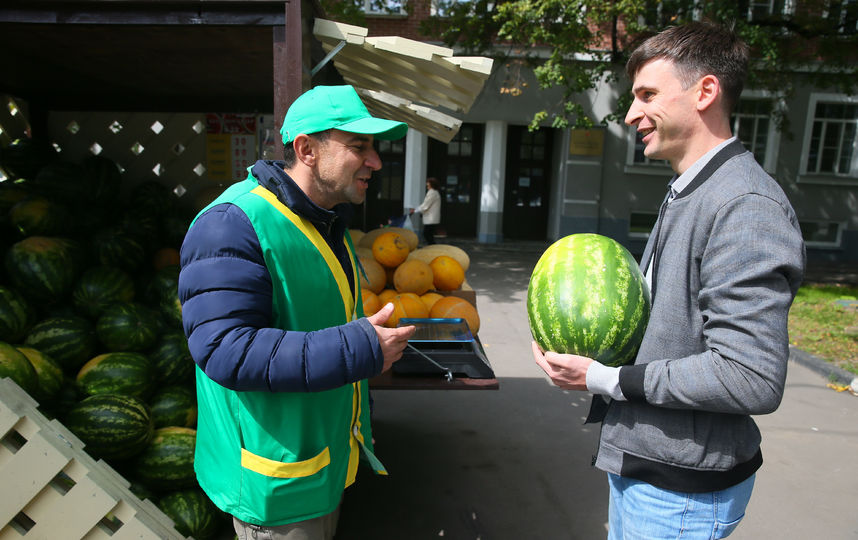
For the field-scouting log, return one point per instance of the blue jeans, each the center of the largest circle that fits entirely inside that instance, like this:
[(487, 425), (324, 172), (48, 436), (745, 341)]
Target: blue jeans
[(641, 511)]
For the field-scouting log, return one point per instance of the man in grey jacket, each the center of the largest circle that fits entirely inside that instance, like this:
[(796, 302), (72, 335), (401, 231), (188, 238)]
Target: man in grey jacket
[(724, 262)]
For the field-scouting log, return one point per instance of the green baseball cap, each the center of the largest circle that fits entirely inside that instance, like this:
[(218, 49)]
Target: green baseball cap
[(339, 107)]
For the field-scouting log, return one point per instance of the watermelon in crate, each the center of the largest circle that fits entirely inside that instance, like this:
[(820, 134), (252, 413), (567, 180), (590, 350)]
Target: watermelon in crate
[(174, 405), (172, 359), (17, 315), (44, 268), (112, 426), (49, 375), (14, 364), (103, 180), (114, 247), (193, 514), (100, 286), (167, 462), (127, 326), (587, 296), (70, 340), (127, 373), (38, 216)]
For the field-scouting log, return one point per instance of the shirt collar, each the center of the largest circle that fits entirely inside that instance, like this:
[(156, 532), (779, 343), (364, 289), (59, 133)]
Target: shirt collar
[(681, 182)]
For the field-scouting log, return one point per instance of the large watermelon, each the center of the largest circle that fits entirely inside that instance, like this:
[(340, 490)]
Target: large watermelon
[(117, 373), (103, 180), (193, 514), (127, 326), (43, 267), (112, 426), (587, 296), (116, 248), (39, 216), (48, 373), (167, 463), (23, 158), (101, 286), (70, 341), (14, 364), (17, 315), (172, 359), (62, 181), (174, 405)]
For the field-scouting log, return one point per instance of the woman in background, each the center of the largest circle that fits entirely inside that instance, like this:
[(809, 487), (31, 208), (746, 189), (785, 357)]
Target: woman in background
[(431, 210)]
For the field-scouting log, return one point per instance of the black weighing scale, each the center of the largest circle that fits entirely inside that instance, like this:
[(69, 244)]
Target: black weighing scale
[(443, 347)]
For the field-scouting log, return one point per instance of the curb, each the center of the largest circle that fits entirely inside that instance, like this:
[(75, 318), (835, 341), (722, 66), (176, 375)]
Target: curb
[(826, 369)]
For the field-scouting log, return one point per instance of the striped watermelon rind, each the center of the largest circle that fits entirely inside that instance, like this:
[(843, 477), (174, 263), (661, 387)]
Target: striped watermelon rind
[(17, 315), (193, 514), (49, 374), (127, 326), (127, 373), (43, 267), (174, 405), (167, 462), (587, 296), (70, 341), (112, 426), (14, 364), (101, 286), (172, 359)]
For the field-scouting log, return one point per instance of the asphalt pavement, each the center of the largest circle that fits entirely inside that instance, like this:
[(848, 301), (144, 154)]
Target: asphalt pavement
[(515, 463)]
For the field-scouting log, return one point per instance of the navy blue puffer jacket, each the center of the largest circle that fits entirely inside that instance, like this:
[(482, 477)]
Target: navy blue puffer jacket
[(226, 296)]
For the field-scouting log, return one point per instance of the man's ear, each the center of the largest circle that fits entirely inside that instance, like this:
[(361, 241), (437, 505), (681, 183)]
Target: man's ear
[(708, 92), (305, 149)]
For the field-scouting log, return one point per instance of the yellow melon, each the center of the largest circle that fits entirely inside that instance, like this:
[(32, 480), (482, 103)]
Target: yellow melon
[(451, 307), (413, 276), (447, 273), (375, 278), (390, 249), (430, 298), (406, 305), (371, 303)]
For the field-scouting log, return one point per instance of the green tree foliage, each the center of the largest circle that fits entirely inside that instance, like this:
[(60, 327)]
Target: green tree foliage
[(575, 45)]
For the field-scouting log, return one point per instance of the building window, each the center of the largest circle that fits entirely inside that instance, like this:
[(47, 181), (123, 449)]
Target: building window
[(821, 233), (752, 124), (384, 7), (637, 152), (842, 15), (391, 177), (830, 142), (641, 224)]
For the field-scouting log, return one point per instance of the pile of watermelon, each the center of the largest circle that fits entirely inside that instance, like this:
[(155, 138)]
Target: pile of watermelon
[(90, 320)]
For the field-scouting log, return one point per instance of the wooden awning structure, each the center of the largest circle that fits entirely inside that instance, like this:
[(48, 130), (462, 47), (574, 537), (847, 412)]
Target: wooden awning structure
[(418, 83)]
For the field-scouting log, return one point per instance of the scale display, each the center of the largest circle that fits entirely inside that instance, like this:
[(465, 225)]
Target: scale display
[(443, 347)]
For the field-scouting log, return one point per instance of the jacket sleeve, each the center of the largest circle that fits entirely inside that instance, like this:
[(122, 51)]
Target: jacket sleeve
[(428, 201), (749, 273), (226, 296)]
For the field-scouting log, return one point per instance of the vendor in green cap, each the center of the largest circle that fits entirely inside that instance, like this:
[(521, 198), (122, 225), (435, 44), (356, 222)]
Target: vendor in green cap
[(273, 313)]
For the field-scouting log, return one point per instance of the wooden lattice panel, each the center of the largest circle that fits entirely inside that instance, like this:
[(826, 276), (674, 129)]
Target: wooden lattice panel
[(167, 147), (53, 489)]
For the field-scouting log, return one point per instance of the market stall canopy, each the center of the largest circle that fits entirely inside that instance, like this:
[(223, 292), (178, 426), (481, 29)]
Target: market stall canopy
[(418, 83)]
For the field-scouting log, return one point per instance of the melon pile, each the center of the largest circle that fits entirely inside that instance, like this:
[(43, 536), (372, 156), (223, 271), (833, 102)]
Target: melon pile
[(90, 320), (417, 281)]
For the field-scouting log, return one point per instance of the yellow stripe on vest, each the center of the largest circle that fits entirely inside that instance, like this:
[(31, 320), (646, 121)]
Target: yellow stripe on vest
[(313, 235), (279, 469)]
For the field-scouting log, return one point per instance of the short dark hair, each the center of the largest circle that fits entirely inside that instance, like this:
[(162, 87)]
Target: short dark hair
[(289, 157), (433, 182), (698, 49)]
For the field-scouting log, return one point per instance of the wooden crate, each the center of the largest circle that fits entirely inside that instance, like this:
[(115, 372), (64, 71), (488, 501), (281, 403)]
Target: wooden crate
[(53, 489)]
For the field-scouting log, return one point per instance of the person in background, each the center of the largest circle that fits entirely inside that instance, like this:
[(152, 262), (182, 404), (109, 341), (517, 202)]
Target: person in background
[(430, 208), (273, 315), (724, 262)]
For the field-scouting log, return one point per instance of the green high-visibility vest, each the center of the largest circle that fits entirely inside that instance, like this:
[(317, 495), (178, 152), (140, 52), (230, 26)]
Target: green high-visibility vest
[(274, 458)]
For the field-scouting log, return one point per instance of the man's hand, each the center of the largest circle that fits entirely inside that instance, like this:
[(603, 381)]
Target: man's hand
[(568, 371), (392, 340)]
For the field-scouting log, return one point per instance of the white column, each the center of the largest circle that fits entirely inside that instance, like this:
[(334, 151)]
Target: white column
[(416, 154), (489, 227)]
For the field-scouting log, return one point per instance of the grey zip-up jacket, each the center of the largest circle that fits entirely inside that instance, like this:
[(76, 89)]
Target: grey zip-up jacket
[(728, 260)]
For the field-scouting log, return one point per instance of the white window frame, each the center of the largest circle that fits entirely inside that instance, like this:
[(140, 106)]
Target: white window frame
[(842, 17), (838, 240), (836, 179), (773, 136), (653, 167)]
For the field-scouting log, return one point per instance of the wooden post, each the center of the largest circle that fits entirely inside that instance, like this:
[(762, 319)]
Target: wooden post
[(288, 65)]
